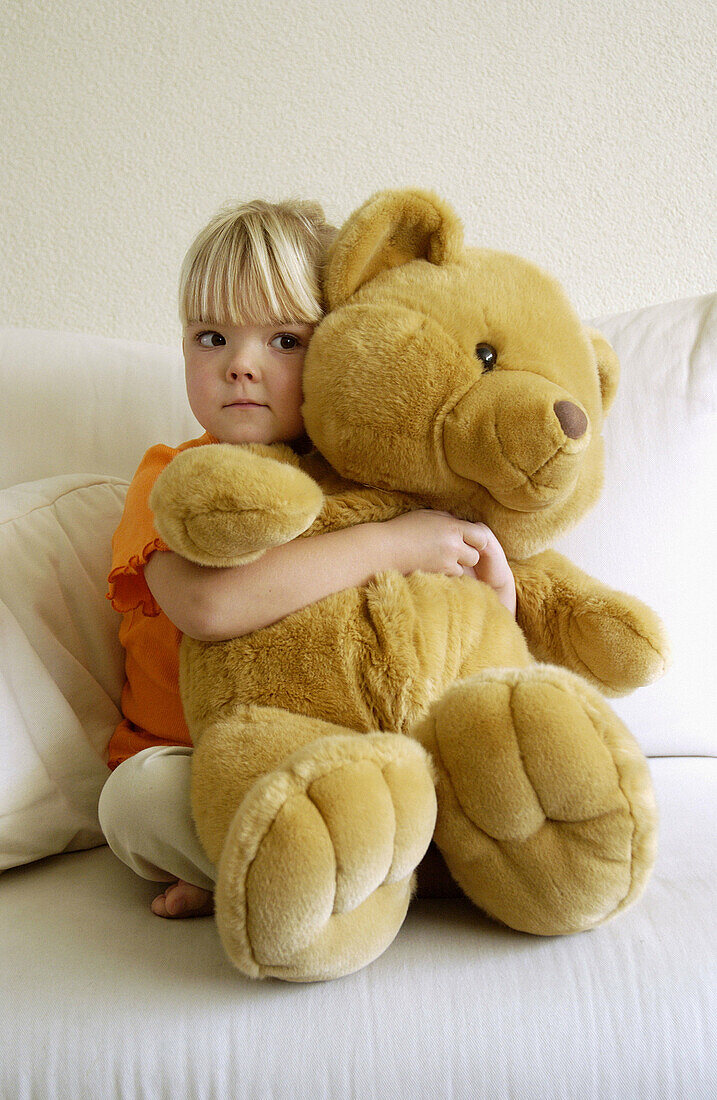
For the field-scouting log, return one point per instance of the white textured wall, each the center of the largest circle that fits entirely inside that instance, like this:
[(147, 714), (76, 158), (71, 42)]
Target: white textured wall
[(578, 133)]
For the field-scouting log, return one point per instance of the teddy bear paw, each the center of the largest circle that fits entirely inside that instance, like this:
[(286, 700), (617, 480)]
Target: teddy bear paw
[(546, 813), (620, 642), (224, 505), (317, 868)]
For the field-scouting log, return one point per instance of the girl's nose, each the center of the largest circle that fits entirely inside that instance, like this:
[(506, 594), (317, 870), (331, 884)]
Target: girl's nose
[(242, 365), (235, 373)]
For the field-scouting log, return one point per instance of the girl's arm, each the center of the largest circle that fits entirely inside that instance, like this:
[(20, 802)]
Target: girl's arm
[(212, 604)]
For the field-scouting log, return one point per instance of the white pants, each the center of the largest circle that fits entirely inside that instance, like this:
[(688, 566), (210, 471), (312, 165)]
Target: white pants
[(145, 815)]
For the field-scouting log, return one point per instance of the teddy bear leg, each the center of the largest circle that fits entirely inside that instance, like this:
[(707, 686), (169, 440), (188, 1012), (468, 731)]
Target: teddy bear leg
[(317, 868), (546, 814)]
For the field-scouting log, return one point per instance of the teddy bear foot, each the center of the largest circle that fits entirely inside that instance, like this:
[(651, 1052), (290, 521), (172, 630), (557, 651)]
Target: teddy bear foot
[(546, 812), (317, 868)]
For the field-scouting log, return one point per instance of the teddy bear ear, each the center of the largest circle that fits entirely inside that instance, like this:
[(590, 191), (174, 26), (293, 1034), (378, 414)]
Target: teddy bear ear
[(608, 366), (391, 229)]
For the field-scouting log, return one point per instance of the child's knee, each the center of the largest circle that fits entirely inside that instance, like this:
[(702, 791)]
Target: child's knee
[(138, 787), (117, 799)]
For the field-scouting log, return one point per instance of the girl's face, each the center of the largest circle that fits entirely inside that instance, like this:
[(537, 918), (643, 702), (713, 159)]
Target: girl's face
[(244, 381)]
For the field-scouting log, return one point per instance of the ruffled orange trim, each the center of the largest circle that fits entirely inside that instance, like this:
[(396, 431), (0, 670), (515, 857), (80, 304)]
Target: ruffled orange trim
[(134, 592), (127, 588)]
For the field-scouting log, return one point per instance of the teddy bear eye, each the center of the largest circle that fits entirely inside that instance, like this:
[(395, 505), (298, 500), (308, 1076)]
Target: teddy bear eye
[(487, 355)]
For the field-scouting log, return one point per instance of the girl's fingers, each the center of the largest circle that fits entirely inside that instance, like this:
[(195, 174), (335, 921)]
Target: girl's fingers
[(470, 556), (477, 535)]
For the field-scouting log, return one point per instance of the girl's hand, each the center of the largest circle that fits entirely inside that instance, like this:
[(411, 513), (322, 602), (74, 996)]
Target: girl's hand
[(432, 542), (493, 568), (437, 542)]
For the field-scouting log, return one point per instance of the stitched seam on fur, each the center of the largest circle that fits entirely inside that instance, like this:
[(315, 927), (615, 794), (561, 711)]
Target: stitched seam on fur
[(478, 828), (280, 506), (328, 833), (599, 726), (440, 429), (237, 866), (561, 593), (328, 830), (245, 893), (469, 819), (250, 945), (522, 756), (527, 478)]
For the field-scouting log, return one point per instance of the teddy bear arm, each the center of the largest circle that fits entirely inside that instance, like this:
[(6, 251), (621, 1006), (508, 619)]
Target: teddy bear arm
[(612, 639), (224, 505)]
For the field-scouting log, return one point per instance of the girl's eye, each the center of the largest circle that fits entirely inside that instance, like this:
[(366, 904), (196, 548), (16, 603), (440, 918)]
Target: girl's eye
[(211, 339), (285, 342)]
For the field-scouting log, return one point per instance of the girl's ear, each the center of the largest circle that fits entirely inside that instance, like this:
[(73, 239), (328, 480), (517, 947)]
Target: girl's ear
[(391, 229), (608, 366)]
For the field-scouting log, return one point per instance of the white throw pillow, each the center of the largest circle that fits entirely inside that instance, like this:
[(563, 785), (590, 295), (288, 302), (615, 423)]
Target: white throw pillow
[(62, 666), (654, 528)]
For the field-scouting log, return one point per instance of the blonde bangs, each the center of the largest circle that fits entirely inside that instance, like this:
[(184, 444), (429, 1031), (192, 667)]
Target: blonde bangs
[(257, 264)]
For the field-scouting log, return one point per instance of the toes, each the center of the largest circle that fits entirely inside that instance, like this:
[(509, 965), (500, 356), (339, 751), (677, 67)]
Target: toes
[(413, 794), (182, 899), (191, 901), (159, 905)]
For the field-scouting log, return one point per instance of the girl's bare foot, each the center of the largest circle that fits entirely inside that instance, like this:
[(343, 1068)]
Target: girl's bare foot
[(181, 899)]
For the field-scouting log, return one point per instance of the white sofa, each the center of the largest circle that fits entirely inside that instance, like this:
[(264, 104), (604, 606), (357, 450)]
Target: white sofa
[(101, 999)]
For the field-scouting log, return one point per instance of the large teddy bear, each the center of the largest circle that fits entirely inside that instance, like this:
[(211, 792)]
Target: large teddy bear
[(333, 746)]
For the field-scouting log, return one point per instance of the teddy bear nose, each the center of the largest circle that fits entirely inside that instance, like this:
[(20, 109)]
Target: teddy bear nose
[(573, 420)]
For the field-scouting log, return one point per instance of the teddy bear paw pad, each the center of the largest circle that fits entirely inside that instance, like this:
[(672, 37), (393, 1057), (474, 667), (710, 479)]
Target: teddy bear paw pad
[(548, 820), (317, 868)]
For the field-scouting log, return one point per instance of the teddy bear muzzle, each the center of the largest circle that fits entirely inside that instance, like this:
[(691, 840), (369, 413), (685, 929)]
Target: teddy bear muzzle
[(525, 446)]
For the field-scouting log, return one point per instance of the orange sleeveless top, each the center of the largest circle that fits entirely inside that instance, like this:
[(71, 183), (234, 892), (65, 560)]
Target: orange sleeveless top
[(151, 707)]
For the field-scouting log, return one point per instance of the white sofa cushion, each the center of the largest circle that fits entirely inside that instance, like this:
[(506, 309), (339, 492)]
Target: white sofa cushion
[(457, 1007), (62, 667)]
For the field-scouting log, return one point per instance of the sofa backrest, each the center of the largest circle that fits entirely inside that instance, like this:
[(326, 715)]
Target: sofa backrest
[(74, 403)]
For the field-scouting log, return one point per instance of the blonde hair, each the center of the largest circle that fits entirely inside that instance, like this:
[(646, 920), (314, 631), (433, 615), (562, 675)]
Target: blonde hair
[(257, 263)]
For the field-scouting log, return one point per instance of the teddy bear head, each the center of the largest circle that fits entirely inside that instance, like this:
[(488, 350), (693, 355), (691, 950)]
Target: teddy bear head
[(460, 376)]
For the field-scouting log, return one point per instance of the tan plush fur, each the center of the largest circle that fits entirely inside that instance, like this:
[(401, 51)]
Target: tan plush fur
[(332, 746)]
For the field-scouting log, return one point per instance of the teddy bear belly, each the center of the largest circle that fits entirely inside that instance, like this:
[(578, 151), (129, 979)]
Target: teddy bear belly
[(366, 658)]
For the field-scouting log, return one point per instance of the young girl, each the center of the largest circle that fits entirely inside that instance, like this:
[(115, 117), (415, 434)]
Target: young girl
[(249, 301)]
